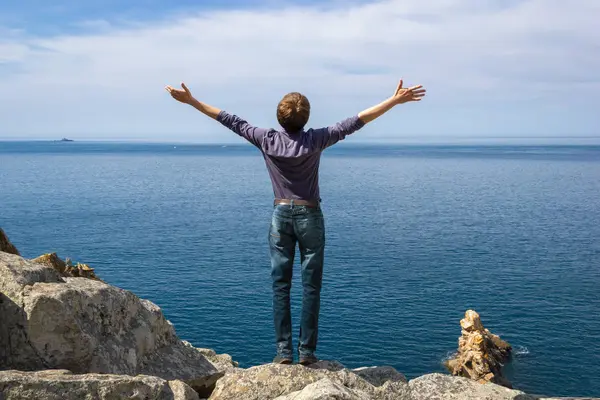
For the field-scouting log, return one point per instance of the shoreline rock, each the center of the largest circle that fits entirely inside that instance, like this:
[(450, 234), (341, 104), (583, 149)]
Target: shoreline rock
[(272, 381), (87, 326), (441, 386), (66, 268), (481, 354), (62, 384)]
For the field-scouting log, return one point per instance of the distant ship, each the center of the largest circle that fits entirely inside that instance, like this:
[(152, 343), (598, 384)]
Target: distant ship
[(64, 140)]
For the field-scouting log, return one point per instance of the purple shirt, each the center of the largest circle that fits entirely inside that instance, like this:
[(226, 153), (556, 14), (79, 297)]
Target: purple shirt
[(292, 158)]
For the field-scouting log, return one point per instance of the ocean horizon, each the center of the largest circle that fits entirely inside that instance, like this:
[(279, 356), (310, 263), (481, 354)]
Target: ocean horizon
[(416, 235), (372, 140)]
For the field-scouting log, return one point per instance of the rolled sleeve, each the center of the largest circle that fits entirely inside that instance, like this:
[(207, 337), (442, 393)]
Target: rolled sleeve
[(329, 136), (238, 125)]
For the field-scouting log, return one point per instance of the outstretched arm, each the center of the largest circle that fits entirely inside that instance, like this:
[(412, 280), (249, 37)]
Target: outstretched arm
[(185, 96), (401, 96), (251, 133), (325, 137)]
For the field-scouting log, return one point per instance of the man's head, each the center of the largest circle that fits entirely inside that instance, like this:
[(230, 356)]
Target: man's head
[(293, 112)]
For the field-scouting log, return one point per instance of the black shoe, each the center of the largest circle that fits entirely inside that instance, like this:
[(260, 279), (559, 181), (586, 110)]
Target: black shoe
[(308, 359), (283, 360)]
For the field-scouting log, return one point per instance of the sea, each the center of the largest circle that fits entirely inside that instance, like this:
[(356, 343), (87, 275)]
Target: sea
[(416, 235)]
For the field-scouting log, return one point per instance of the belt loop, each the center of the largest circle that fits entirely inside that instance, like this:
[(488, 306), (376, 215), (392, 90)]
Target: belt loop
[(292, 203)]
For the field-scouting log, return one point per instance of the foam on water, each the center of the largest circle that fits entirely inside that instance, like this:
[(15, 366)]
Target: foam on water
[(520, 351)]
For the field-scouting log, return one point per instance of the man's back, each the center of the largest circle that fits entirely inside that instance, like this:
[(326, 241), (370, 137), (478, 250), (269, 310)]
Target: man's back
[(292, 158)]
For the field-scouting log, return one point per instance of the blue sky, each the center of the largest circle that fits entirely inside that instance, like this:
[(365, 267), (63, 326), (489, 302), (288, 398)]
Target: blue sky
[(493, 68)]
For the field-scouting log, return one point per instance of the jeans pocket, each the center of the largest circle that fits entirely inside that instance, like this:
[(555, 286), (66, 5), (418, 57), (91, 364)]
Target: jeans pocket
[(273, 232), (311, 231)]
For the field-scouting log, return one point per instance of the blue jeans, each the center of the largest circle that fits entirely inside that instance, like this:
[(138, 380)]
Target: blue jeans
[(305, 226)]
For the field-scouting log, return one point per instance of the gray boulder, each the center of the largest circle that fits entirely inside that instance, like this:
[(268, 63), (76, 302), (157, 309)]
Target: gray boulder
[(329, 365), (222, 362), (88, 326), (295, 382), (271, 381), (377, 376), (325, 389), (446, 387), (62, 385), (16, 274)]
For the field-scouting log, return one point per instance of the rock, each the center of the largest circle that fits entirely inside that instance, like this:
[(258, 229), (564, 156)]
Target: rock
[(442, 387), (481, 354), (66, 268), (222, 362), (325, 389), (5, 244), (329, 365), (62, 385), (84, 271), (377, 376), (52, 260), (16, 274), (88, 326), (393, 390), (182, 391), (274, 380)]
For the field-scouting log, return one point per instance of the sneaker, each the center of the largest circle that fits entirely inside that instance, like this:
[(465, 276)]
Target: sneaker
[(308, 359), (283, 360)]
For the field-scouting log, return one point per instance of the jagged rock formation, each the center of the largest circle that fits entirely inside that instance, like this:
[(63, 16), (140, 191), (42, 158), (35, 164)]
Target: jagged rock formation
[(86, 326), (5, 244), (481, 354), (222, 362), (63, 385), (66, 268)]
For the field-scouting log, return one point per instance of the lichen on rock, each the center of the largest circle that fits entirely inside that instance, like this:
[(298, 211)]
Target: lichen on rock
[(66, 268)]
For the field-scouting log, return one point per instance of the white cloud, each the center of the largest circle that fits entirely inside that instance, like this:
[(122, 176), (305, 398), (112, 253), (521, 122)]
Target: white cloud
[(469, 53)]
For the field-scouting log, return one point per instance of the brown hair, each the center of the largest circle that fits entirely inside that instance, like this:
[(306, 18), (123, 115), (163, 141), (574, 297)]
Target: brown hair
[(293, 111)]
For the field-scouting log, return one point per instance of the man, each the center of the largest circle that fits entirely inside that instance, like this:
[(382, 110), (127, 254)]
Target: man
[(292, 156)]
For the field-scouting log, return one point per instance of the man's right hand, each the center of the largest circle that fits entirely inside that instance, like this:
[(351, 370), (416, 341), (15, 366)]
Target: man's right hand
[(184, 96), (403, 95)]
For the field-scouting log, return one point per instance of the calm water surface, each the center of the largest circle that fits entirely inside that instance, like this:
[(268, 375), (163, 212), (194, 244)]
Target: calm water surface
[(416, 235)]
